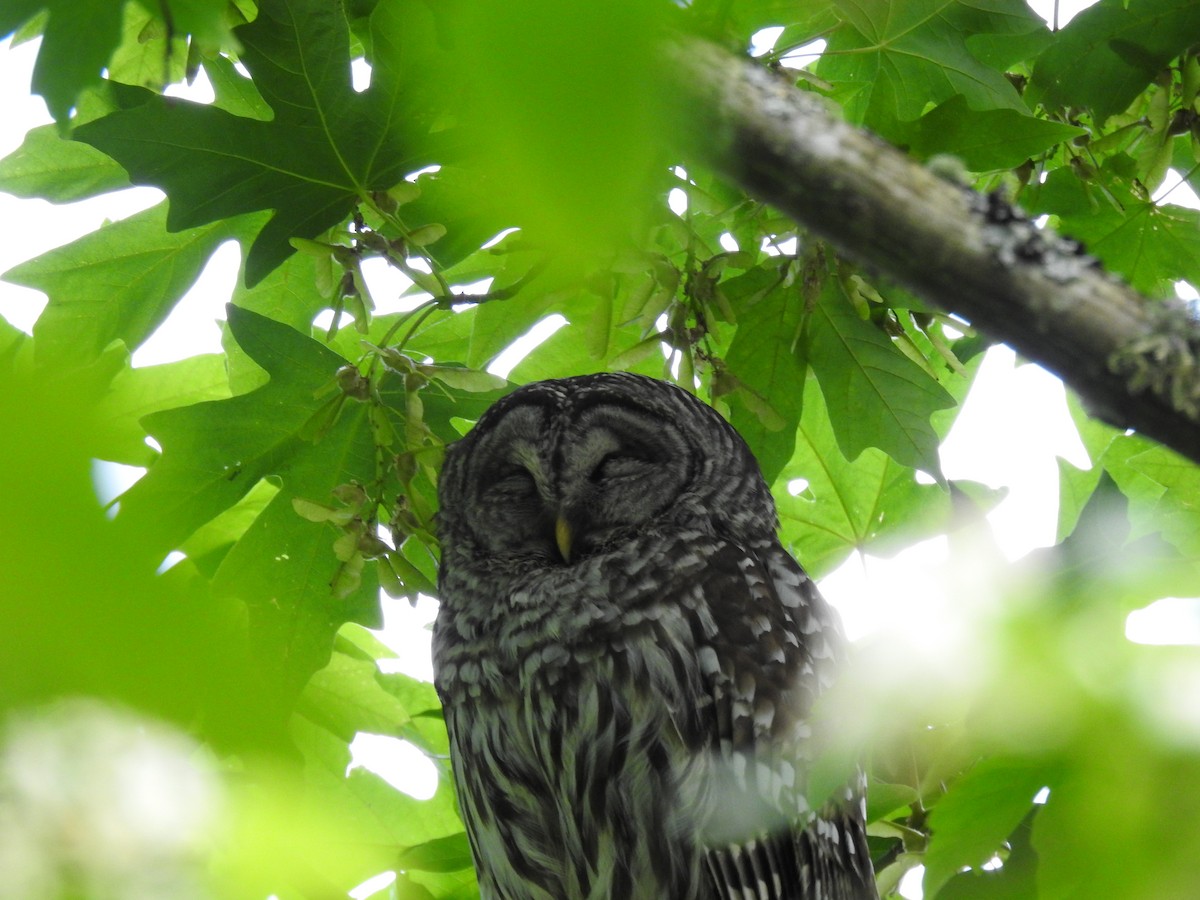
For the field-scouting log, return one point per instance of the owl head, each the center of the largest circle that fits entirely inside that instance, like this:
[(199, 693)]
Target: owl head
[(560, 470)]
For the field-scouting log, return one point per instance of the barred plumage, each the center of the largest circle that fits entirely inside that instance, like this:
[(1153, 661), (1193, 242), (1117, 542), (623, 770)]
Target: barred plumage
[(628, 657)]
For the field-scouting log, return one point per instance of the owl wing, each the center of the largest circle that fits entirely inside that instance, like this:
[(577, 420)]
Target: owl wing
[(773, 650)]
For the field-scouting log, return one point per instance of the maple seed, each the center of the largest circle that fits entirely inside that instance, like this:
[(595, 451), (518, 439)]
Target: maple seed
[(352, 383)]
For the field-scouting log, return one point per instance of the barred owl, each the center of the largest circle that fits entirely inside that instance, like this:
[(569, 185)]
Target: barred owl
[(628, 657)]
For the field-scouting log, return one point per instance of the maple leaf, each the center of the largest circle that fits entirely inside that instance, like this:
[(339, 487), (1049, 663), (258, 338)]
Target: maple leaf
[(883, 398), (1111, 52), (79, 38), (888, 60), (326, 148), (216, 452)]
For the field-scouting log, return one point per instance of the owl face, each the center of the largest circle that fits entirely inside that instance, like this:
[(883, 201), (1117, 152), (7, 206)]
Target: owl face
[(560, 470)]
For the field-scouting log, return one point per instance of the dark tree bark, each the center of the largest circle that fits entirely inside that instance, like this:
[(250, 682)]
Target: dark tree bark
[(1133, 361)]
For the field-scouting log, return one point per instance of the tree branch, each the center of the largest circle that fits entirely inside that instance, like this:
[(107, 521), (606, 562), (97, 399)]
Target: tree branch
[(1133, 361)]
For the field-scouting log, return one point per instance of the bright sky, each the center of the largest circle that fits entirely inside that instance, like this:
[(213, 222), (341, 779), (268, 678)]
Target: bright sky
[(1009, 433)]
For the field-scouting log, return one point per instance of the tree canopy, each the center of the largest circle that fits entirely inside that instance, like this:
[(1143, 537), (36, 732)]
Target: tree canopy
[(521, 160)]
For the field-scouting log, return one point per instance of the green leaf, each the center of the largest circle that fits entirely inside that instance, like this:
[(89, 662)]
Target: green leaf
[(402, 579), (1177, 512), (1116, 559), (499, 323), (283, 567), (214, 452), (345, 697), (570, 350), (567, 159), (985, 140), (876, 396), (1141, 491), (888, 60), (285, 571), (766, 356), (84, 611), (234, 92), (324, 151), (972, 821), (1116, 823), (384, 816), (425, 727), (743, 19), (210, 543), (1017, 879), (1075, 487), (49, 166), (376, 821), (149, 54), (441, 404), (471, 380), (316, 512), (1151, 244), (448, 854), (77, 41), (1110, 451), (872, 502), (16, 349), (451, 197), (291, 295), (208, 21), (136, 393), (1113, 50), (117, 283), (1154, 245), (81, 36), (885, 798)]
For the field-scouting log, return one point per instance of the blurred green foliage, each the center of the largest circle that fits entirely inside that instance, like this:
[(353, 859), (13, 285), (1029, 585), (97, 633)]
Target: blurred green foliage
[(296, 472)]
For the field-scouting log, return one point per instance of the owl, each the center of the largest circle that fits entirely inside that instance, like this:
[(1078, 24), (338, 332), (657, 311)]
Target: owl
[(628, 657)]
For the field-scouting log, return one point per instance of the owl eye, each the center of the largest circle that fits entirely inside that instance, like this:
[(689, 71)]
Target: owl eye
[(516, 480), (620, 464)]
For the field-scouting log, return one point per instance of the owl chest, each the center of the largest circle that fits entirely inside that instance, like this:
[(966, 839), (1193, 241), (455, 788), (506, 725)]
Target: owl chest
[(552, 650), (588, 707), (559, 626), (593, 745)]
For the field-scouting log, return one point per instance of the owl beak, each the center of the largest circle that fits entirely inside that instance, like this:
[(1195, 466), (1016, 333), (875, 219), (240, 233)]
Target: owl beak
[(562, 537)]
